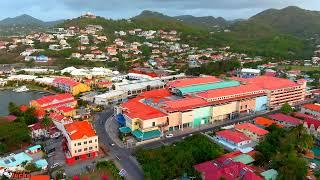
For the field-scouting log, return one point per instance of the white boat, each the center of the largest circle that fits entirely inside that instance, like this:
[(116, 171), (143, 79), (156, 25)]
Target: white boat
[(21, 89)]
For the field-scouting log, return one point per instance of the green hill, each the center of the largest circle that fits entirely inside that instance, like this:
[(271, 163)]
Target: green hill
[(290, 20)]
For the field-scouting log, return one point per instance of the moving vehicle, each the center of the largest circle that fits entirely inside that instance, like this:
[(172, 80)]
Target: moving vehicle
[(169, 135)]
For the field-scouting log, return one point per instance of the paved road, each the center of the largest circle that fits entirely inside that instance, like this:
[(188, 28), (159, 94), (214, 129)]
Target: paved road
[(121, 155)]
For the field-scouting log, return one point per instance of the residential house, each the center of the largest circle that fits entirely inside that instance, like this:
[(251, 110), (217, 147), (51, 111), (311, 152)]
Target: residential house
[(234, 140), (285, 120), (252, 131), (311, 109)]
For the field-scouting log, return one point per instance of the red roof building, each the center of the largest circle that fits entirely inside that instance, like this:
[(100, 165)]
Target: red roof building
[(234, 137), (81, 141), (23, 108), (184, 104), (252, 131), (269, 83), (231, 92), (193, 81), (136, 109), (54, 101), (226, 168), (313, 107), (80, 130), (285, 120)]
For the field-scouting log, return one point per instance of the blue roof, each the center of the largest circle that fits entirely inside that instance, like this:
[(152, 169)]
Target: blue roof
[(33, 148), (15, 160), (120, 119), (41, 163)]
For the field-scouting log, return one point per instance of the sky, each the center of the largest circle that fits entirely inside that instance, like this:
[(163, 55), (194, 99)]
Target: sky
[(48, 10)]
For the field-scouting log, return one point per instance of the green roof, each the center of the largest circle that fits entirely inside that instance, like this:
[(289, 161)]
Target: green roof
[(209, 86), (146, 135), (125, 130), (243, 158), (270, 174)]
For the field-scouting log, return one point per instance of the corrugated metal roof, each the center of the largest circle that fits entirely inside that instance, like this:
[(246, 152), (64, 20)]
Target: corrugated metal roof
[(206, 87)]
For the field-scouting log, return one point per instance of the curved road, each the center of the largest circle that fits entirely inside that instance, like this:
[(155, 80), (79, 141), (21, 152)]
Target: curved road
[(121, 155)]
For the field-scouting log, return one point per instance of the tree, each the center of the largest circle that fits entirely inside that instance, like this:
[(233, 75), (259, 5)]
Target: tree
[(286, 108), (31, 167), (46, 122), (13, 109)]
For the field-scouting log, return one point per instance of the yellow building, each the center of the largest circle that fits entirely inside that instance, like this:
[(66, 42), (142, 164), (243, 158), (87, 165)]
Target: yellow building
[(70, 86)]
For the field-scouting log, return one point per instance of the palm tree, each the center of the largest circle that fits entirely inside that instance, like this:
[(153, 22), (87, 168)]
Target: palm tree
[(46, 122)]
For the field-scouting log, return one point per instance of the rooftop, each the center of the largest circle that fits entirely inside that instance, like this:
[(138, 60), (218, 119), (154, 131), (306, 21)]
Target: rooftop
[(252, 128), (184, 104), (67, 81), (226, 167), (54, 99), (233, 136), (193, 81), (269, 82), (230, 91), (207, 87), (285, 118), (262, 121), (136, 109), (313, 107), (79, 130)]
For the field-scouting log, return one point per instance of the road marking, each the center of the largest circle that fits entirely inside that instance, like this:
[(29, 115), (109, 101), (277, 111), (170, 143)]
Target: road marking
[(117, 157)]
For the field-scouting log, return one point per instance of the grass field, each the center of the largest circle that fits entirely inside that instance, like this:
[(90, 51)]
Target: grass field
[(302, 68)]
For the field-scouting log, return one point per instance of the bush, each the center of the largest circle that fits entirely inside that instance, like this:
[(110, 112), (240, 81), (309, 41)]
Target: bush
[(109, 166), (170, 162)]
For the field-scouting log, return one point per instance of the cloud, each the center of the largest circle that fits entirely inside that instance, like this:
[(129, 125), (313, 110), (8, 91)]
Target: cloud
[(58, 9)]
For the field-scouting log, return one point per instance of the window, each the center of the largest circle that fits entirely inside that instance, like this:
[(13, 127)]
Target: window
[(77, 158), (85, 149), (153, 123), (95, 140), (89, 155), (85, 142), (75, 151), (90, 141), (79, 150), (79, 144), (75, 144), (90, 148)]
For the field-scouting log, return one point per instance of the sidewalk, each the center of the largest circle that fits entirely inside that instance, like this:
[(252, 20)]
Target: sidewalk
[(112, 130)]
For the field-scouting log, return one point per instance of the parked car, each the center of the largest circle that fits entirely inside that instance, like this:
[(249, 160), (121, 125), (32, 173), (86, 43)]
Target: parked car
[(169, 135), (51, 154), (55, 165)]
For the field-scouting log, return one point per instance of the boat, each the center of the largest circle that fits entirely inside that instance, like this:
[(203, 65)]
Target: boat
[(21, 89)]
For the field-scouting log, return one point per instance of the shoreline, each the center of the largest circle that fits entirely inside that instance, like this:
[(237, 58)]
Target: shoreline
[(30, 89)]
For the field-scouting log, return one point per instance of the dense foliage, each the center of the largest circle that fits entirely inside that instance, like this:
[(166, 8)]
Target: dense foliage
[(214, 68), (109, 166), (286, 108), (169, 162), (13, 135), (283, 150)]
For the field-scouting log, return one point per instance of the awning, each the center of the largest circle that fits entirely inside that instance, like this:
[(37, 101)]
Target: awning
[(125, 130), (146, 135)]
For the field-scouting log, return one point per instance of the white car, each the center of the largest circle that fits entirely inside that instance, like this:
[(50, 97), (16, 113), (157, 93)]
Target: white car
[(55, 165), (169, 135)]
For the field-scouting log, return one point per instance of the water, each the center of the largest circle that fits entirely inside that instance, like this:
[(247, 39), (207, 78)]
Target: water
[(7, 96)]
